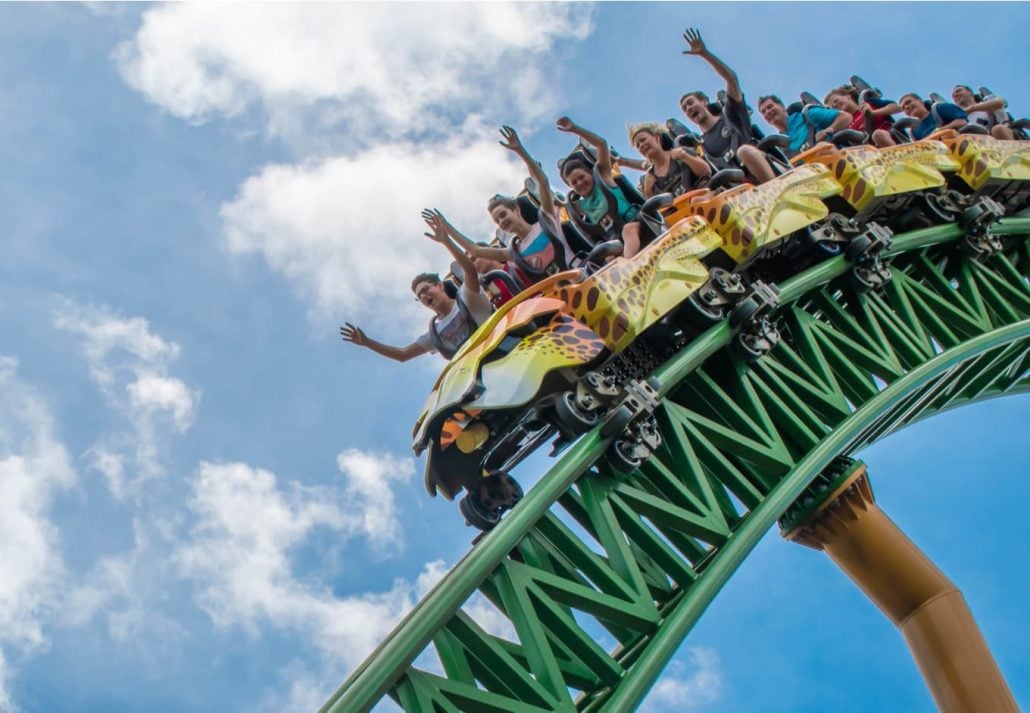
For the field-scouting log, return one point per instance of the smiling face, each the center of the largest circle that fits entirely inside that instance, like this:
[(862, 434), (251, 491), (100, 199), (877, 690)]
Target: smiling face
[(509, 220), (773, 113), (580, 180), (962, 96), (842, 102), (647, 144), (911, 105)]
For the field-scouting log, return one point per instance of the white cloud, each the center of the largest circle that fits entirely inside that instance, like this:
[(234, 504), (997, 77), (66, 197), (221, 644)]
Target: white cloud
[(127, 591), (365, 67), (34, 466), (683, 688), (130, 364), (239, 555), (346, 232), (393, 104), (368, 494)]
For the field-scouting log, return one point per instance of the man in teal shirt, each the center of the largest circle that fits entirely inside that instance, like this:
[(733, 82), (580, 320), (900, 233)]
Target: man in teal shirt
[(790, 121)]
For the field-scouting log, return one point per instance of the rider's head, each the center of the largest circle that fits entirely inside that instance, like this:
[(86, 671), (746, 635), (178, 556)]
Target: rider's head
[(430, 291), (772, 109), (646, 138), (578, 175), (963, 95), (914, 106), (695, 107), (843, 98), (507, 216)]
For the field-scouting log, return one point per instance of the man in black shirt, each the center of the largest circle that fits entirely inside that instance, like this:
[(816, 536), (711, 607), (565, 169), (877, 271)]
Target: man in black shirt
[(726, 135)]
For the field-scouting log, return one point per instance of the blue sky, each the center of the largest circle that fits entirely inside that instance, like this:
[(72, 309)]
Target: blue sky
[(207, 501)]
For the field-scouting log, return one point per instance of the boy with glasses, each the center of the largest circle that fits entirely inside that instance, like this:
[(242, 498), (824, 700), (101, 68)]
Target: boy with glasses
[(455, 317)]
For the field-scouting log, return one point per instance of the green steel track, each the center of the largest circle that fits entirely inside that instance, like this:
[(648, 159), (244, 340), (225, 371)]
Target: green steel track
[(633, 560)]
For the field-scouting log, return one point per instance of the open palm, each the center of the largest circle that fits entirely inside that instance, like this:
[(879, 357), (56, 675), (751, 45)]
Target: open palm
[(693, 38)]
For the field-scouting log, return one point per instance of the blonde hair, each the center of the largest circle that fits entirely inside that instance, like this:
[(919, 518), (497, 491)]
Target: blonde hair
[(649, 126)]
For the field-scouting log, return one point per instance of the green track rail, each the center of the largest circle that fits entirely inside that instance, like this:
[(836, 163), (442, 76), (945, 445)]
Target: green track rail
[(602, 575)]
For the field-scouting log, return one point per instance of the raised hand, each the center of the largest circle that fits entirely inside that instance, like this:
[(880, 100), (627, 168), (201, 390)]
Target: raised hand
[(693, 38), (511, 140), (353, 334), (436, 222), (564, 123)]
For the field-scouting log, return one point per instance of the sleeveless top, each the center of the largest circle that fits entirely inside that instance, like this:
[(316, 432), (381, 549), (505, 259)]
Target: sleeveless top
[(677, 181)]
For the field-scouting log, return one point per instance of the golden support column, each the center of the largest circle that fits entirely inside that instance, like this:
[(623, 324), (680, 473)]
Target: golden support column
[(839, 515)]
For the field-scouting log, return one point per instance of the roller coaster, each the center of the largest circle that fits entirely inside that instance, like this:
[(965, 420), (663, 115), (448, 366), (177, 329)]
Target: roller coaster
[(696, 393)]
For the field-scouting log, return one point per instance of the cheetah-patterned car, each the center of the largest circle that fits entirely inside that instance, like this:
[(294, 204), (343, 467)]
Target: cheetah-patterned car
[(554, 361)]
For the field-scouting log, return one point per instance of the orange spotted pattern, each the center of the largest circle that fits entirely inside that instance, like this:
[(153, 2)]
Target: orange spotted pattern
[(867, 174), (982, 159), (750, 217)]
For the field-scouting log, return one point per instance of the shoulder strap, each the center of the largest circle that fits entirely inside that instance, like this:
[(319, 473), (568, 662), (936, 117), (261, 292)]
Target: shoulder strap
[(434, 334)]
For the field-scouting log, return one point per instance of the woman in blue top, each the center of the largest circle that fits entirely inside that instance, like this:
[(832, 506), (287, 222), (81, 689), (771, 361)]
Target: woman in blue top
[(579, 176)]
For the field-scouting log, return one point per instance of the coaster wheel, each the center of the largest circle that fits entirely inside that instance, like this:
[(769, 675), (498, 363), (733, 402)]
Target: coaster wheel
[(625, 455), (476, 514), (571, 417)]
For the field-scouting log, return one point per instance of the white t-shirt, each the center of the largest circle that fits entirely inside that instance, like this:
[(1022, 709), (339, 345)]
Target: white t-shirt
[(983, 118), (453, 329)]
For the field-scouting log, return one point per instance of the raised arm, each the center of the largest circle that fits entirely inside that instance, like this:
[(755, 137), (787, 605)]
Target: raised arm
[(355, 335), (696, 46), (473, 249), (438, 233), (604, 154), (513, 143)]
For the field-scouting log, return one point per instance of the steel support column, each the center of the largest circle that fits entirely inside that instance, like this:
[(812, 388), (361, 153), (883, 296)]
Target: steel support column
[(929, 610)]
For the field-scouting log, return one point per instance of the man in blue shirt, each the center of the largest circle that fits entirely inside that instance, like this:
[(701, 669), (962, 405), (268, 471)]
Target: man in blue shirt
[(948, 116), (790, 121)]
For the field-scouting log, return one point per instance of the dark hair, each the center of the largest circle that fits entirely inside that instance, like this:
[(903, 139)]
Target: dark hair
[(844, 90), (497, 200), (696, 94), (770, 97), (572, 163), (966, 87), (913, 95), (702, 97), (431, 277)]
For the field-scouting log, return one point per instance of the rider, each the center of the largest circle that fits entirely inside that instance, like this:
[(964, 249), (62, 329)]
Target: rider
[(989, 112), (499, 290), (845, 98), (579, 176), (950, 115), (791, 121), (534, 243), (674, 171), (727, 134), (454, 317)]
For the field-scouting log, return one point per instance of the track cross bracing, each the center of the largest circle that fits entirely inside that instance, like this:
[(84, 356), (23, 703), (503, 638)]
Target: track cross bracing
[(592, 555)]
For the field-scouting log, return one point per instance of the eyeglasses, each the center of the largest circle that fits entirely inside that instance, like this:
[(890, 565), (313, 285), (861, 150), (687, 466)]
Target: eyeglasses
[(421, 294)]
